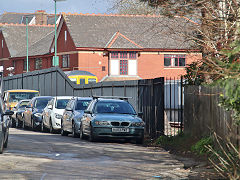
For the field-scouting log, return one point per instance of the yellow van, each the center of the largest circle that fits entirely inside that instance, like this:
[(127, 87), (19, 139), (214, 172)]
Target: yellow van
[(82, 77), (11, 97)]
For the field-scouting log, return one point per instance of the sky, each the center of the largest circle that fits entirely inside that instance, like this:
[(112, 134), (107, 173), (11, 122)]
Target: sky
[(73, 6)]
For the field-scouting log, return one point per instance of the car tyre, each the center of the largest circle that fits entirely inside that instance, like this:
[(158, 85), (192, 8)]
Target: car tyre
[(13, 123), (51, 130), (91, 136), (1, 145), (6, 142), (74, 134), (43, 128), (82, 135)]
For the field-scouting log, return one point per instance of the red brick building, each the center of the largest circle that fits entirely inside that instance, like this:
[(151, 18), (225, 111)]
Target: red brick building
[(113, 47)]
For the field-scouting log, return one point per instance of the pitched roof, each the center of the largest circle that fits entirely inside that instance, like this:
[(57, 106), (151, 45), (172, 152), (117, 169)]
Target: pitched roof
[(19, 18), (147, 31), (38, 36)]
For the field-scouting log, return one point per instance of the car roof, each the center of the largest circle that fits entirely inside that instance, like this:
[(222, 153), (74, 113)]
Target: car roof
[(21, 90), (84, 98), (111, 100), (43, 97), (63, 97)]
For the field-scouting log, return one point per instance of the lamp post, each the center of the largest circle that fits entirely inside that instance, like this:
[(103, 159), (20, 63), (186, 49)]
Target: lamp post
[(27, 39), (56, 58)]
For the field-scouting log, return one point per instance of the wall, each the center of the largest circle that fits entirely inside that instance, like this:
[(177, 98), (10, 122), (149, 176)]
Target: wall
[(202, 115), (93, 61), (151, 65)]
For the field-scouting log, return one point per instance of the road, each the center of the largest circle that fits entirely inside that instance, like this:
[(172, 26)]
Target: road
[(43, 156)]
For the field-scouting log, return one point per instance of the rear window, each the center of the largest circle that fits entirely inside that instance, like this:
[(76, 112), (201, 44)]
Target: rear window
[(18, 96), (23, 104), (82, 104), (41, 103), (61, 103)]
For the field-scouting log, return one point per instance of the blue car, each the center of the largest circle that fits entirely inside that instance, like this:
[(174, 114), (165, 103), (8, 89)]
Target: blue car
[(32, 116), (71, 119), (112, 118)]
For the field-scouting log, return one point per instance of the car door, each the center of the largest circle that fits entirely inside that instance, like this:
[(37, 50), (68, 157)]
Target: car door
[(69, 115), (28, 112), (47, 113), (66, 114), (87, 118)]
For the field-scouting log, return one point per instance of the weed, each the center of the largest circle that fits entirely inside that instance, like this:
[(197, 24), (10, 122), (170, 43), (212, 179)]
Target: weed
[(201, 146)]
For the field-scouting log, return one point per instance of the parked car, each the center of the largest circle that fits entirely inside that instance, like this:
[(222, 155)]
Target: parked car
[(52, 113), (111, 118), (4, 125), (17, 117), (11, 98), (33, 112), (71, 119)]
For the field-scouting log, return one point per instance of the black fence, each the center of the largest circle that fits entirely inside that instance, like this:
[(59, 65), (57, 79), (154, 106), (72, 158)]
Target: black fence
[(147, 95)]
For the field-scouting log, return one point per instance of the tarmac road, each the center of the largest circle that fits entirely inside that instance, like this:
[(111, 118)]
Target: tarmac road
[(43, 156)]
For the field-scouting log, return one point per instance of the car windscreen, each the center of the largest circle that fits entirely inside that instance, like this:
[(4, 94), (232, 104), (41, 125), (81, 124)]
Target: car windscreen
[(61, 103), (23, 104), (41, 103), (17, 96), (82, 104), (114, 107)]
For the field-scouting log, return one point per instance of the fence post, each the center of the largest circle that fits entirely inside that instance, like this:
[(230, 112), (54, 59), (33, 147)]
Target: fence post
[(181, 125)]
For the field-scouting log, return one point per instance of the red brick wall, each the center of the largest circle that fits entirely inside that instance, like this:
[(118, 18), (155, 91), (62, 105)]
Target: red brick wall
[(93, 61), (4, 53), (152, 65)]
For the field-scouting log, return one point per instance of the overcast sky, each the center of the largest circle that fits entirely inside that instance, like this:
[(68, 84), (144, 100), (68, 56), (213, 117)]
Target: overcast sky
[(78, 6)]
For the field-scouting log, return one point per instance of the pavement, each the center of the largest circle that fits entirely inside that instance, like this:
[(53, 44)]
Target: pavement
[(44, 156)]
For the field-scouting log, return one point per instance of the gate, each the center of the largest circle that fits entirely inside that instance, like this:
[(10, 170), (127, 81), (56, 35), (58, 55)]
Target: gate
[(174, 106)]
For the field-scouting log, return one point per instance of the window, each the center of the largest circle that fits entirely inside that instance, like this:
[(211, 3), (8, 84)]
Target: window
[(65, 36), (2, 44), (124, 55), (123, 67), (132, 55), (174, 60), (114, 54), (38, 63), (103, 68), (123, 63), (25, 65), (65, 61)]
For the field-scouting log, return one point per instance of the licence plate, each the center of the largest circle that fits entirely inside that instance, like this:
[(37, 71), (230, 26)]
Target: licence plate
[(120, 129)]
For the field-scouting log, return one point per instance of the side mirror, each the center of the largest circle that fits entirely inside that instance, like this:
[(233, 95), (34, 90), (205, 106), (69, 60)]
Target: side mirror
[(88, 112), (140, 114), (8, 113), (50, 107)]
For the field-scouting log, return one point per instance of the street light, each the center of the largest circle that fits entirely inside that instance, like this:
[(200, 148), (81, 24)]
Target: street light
[(27, 38), (56, 58)]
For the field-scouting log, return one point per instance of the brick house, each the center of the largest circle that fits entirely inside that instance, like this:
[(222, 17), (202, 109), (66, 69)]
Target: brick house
[(113, 47)]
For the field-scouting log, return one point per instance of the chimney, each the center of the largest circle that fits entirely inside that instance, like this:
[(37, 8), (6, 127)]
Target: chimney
[(41, 17)]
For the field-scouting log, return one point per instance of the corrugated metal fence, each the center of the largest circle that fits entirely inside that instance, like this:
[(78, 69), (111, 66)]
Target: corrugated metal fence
[(147, 95)]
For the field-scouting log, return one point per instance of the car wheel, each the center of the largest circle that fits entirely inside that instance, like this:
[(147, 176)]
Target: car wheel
[(74, 134), (92, 138), (13, 123), (23, 125), (51, 127), (63, 133), (82, 135), (6, 142), (1, 144), (43, 129)]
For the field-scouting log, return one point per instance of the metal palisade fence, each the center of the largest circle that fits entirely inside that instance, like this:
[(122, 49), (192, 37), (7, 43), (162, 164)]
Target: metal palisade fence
[(147, 95)]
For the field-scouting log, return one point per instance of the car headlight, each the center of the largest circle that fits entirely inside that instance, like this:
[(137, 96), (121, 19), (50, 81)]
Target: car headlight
[(102, 123), (138, 124), (58, 116), (38, 115)]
